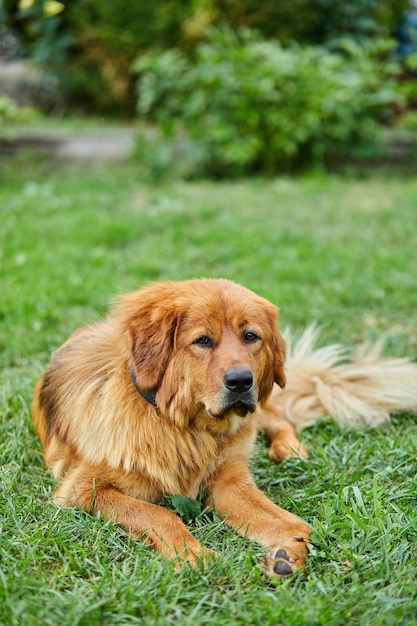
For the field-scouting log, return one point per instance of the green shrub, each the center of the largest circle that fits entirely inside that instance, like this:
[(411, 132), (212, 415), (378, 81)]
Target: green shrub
[(249, 104), (11, 113), (86, 47), (307, 21), (8, 109)]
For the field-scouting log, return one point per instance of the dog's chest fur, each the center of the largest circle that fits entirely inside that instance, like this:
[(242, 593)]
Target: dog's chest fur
[(182, 465)]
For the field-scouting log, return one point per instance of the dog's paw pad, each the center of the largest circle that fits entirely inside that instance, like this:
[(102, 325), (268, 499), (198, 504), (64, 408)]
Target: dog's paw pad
[(282, 565), (282, 568), (281, 554), (284, 561)]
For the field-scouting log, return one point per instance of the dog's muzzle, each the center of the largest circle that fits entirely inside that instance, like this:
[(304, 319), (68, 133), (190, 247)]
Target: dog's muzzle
[(239, 394)]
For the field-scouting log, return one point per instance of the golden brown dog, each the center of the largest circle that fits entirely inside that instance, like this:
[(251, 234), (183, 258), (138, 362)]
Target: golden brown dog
[(163, 398)]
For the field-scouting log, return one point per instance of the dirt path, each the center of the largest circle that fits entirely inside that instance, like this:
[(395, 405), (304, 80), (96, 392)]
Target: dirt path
[(101, 144)]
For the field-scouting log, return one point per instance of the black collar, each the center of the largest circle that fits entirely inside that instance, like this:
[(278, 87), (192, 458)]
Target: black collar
[(150, 395)]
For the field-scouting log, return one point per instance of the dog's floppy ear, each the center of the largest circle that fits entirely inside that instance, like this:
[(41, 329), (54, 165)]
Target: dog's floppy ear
[(275, 353), (279, 362), (151, 321), (278, 345), (151, 349)]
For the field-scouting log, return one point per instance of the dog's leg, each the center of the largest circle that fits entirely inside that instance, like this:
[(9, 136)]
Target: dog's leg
[(155, 525), (282, 436), (236, 499)]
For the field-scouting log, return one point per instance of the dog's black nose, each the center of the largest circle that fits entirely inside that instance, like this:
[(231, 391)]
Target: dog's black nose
[(238, 379)]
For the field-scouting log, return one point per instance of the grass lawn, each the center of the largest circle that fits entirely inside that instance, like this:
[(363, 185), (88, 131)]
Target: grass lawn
[(339, 251)]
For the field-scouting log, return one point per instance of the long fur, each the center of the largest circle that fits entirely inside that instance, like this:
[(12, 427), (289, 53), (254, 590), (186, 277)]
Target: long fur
[(354, 389), (164, 397)]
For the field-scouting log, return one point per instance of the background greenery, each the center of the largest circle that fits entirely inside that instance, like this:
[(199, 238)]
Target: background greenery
[(336, 250), (251, 86), (252, 105), (86, 48)]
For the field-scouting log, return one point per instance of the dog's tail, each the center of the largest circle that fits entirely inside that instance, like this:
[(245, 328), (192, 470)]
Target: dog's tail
[(354, 390)]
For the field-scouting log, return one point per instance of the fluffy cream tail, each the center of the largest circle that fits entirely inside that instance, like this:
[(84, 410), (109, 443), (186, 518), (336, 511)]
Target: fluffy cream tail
[(354, 390)]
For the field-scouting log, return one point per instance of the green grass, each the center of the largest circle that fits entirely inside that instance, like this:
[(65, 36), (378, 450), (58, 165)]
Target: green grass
[(340, 251)]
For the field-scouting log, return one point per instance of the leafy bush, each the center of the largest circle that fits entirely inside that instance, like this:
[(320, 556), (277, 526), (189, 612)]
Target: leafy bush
[(307, 21), (11, 113), (249, 104), (8, 109), (86, 47)]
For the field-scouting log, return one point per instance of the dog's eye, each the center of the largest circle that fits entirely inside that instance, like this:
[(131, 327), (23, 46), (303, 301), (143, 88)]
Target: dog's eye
[(205, 341), (250, 337)]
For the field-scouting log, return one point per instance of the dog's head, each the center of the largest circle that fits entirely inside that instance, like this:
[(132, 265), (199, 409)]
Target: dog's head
[(205, 346)]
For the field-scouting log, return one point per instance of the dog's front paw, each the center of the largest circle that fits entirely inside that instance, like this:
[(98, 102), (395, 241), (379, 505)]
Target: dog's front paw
[(289, 447), (287, 556)]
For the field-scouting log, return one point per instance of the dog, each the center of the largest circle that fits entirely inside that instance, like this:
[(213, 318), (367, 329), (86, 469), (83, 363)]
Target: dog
[(165, 397)]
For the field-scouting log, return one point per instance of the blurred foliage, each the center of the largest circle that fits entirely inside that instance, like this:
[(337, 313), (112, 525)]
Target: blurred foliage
[(408, 122), (8, 109), (11, 113), (307, 21), (252, 105), (408, 89), (86, 47)]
